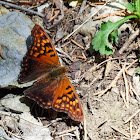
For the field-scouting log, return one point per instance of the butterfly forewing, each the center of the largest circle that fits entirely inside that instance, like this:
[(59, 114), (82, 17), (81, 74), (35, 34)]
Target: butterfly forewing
[(42, 48), (40, 58)]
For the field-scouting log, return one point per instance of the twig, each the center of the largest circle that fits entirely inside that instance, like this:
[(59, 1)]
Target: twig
[(126, 87), (131, 38), (112, 84), (115, 80), (123, 98), (65, 131), (116, 129), (118, 13), (73, 41), (131, 132), (95, 3), (133, 90), (95, 67), (78, 56), (85, 21), (132, 116), (22, 8), (61, 51), (131, 64)]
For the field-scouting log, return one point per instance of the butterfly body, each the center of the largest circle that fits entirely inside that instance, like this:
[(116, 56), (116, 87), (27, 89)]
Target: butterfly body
[(52, 88)]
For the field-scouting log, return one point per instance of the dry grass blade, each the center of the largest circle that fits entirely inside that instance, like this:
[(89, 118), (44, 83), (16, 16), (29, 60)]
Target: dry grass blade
[(133, 91), (126, 87), (112, 84), (73, 41), (131, 132), (137, 135), (116, 129), (132, 116), (124, 99), (85, 21), (66, 131), (100, 93)]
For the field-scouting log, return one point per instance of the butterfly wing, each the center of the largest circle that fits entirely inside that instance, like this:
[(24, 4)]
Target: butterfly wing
[(43, 93), (58, 94), (40, 58), (66, 100)]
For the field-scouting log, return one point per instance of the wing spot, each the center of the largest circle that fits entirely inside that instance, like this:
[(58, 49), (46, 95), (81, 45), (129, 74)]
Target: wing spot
[(47, 41), (67, 105), (56, 106), (31, 53), (62, 105), (64, 98), (43, 48), (42, 44), (58, 101), (70, 107), (70, 102), (48, 103), (38, 44), (35, 48), (76, 100), (78, 110), (74, 103), (36, 54), (69, 95), (68, 99), (41, 51)]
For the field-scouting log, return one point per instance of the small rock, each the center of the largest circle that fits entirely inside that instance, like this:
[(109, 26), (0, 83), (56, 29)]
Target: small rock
[(14, 103), (15, 28)]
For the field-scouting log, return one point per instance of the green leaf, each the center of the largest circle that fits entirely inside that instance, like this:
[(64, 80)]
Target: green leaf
[(113, 37), (100, 42)]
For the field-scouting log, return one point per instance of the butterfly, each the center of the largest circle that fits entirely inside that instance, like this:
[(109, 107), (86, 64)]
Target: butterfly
[(52, 88)]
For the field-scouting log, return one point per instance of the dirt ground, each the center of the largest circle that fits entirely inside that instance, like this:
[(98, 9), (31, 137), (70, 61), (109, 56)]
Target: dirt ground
[(108, 86)]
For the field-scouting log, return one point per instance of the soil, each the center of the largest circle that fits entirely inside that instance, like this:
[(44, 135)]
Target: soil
[(104, 116)]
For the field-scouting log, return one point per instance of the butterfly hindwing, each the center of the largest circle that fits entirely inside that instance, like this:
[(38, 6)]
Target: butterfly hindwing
[(67, 100), (43, 93)]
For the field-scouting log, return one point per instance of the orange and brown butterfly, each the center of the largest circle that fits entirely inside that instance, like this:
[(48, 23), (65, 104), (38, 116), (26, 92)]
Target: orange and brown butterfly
[(52, 88)]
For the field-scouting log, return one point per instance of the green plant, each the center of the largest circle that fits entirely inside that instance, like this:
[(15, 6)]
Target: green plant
[(109, 30)]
